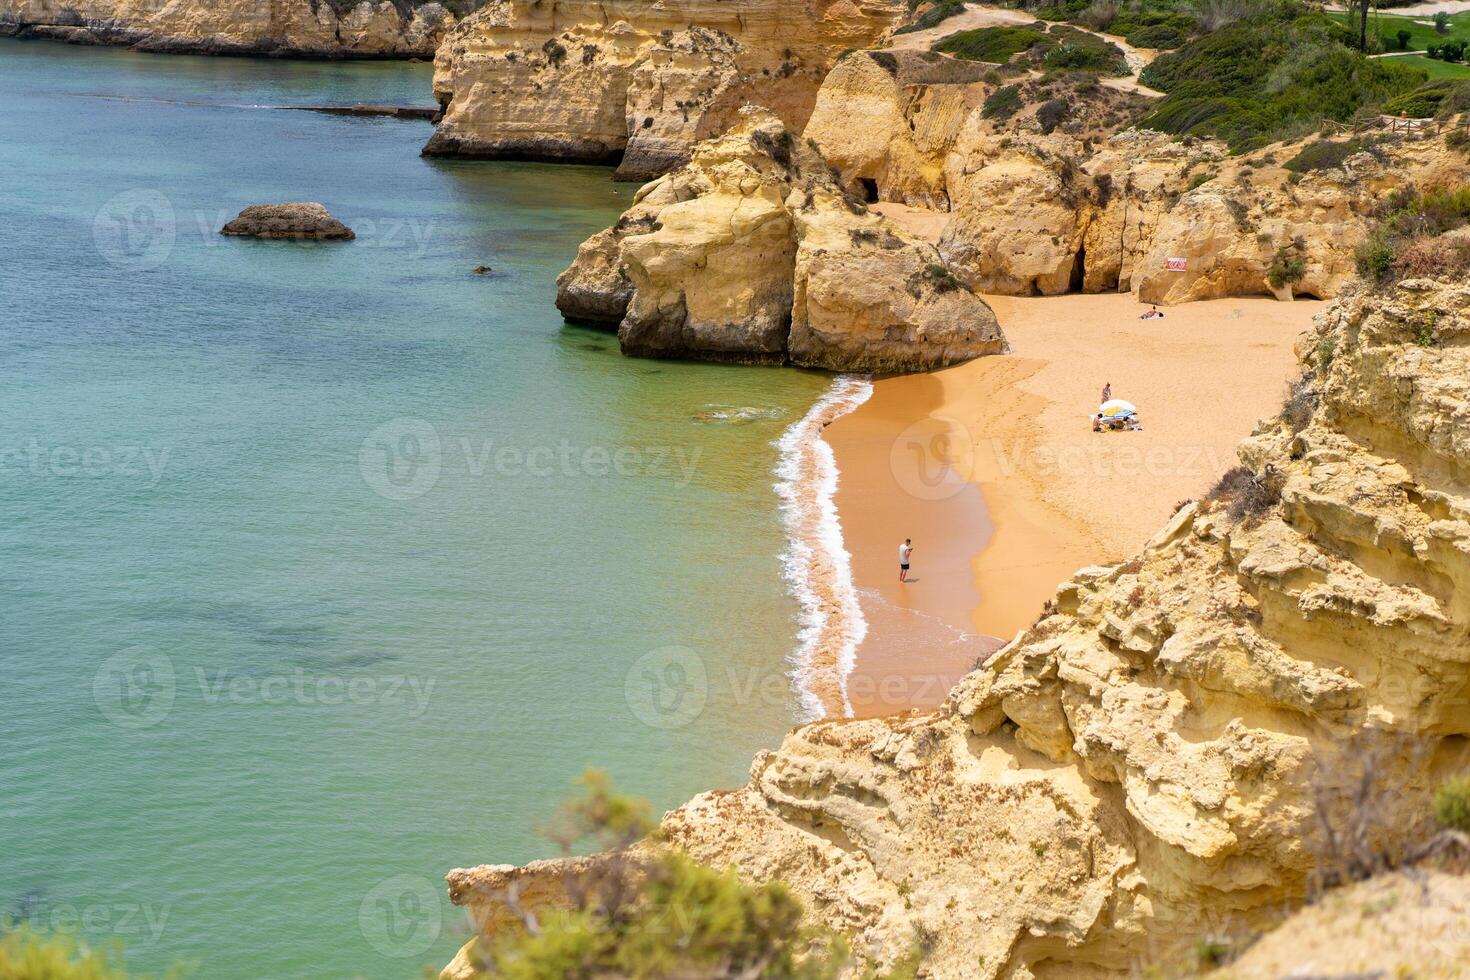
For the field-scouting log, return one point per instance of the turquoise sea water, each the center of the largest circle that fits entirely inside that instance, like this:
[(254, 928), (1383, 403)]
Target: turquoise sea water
[(328, 568)]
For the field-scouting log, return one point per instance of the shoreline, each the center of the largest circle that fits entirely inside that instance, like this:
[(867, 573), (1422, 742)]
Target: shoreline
[(815, 562), (992, 467)]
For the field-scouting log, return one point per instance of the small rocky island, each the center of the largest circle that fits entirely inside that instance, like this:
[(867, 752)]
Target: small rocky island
[(301, 221)]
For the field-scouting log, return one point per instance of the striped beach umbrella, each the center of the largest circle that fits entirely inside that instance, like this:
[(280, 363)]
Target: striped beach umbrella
[(1118, 409)]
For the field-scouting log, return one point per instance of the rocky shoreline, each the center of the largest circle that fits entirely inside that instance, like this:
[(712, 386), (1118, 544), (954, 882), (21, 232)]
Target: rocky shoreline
[(306, 29)]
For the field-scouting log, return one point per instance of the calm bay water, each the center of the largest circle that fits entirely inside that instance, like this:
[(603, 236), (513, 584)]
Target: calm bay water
[(326, 569)]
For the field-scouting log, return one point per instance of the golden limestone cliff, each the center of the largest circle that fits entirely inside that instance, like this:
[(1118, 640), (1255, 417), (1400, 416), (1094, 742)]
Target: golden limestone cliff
[(1161, 753), (599, 81), (296, 28), (1046, 192), (753, 253)]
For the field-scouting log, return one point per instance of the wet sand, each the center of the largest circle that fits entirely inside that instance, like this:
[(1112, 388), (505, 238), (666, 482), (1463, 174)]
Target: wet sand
[(992, 468)]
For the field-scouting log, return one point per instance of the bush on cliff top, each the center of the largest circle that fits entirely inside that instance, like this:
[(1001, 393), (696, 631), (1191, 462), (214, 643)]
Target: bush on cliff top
[(658, 916), (1326, 154), (1058, 46), (1407, 242), (995, 44), (1278, 72)]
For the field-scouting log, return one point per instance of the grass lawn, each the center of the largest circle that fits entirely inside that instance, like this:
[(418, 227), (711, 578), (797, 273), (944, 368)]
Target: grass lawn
[(1421, 35), (1436, 68)]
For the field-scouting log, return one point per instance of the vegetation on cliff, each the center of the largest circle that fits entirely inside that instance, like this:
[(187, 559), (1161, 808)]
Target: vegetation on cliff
[(1418, 236), (632, 912), (1274, 73), (1051, 46)]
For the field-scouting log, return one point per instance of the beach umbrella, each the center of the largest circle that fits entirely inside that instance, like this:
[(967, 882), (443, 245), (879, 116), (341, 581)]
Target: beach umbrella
[(1118, 409)]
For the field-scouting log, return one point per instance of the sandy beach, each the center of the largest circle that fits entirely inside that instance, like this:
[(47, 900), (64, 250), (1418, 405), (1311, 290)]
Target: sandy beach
[(993, 469)]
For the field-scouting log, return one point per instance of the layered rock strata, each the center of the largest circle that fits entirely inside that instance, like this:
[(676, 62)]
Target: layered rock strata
[(753, 253), (1182, 741), (292, 28), (600, 81), (1048, 192)]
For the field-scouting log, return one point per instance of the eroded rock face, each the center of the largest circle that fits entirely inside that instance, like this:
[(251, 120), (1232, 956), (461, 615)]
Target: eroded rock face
[(302, 221), (599, 81), (1156, 757), (1069, 200), (296, 28), (752, 253)]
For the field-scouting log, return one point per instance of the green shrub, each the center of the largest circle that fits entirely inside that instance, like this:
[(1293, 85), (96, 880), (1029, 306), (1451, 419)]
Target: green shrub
[(1082, 51), (995, 44), (1002, 103), (1199, 180), (1441, 22), (1050, 114), (940, 277), (1325, 154), (1452, 803), (1403, 38), (1374, 257), (1286, 268), (1160, 36)]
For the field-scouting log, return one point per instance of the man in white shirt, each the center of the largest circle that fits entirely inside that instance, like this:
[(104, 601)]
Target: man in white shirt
[(904, 550)]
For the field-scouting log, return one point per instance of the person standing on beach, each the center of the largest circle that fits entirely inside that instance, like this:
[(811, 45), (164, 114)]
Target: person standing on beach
[(1107, 392), (904, 550)]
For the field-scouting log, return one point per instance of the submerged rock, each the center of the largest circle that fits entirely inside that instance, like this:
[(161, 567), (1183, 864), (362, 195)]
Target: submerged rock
[(306, 221), (753, 253)]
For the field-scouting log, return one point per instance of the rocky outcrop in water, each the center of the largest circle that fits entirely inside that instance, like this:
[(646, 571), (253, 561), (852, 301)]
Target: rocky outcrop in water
[(1049, 192), (753, 253), (601, 81), (309, 222), (289, 28), (1182, 741)]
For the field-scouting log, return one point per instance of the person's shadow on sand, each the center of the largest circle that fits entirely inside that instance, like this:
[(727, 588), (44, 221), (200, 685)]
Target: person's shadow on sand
[(909, 581)]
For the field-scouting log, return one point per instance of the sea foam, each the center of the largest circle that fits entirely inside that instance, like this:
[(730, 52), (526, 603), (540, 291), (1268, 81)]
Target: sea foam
[(816, 564)]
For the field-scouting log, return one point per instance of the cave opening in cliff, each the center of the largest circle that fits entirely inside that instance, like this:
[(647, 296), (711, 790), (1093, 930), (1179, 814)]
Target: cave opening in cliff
[(870, 189), (1079, 271)]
